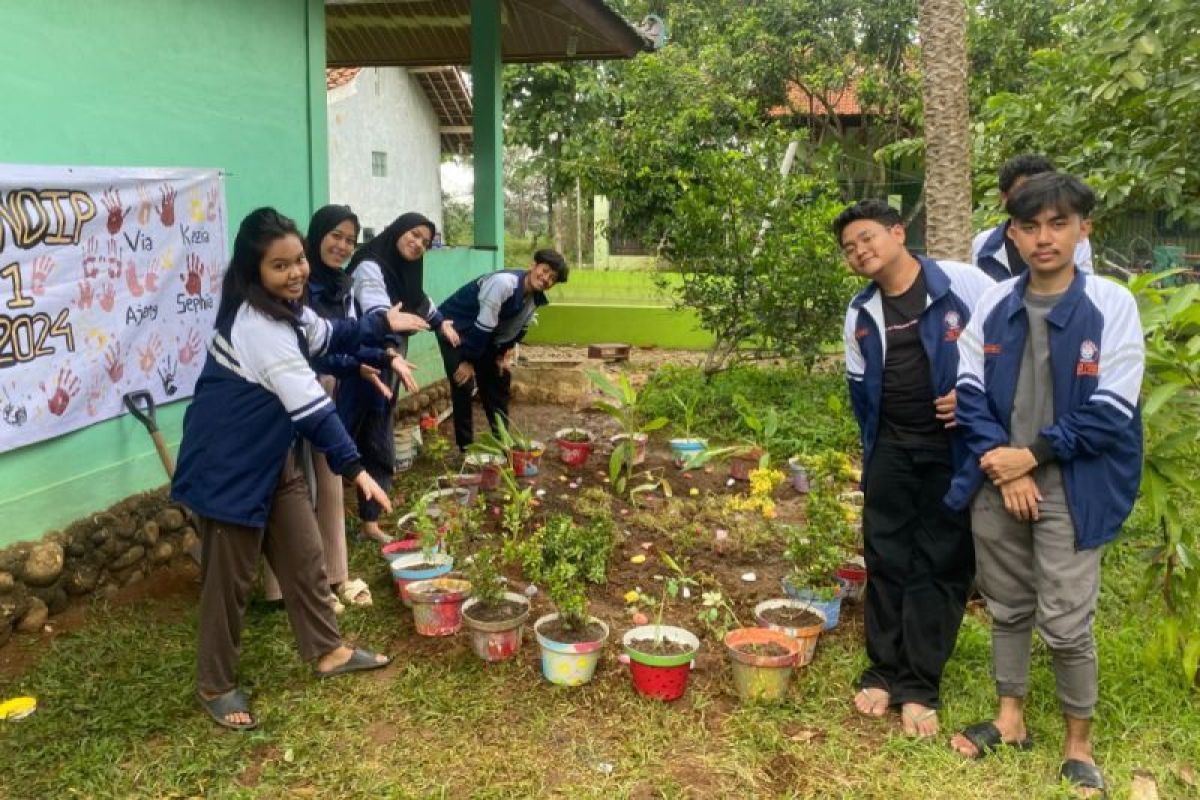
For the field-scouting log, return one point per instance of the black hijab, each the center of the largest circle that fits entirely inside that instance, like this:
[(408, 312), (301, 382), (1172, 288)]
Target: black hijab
[(328, 284), (404, 278)]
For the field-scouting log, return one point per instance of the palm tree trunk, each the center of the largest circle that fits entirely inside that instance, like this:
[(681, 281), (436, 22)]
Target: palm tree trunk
[(943, 30)]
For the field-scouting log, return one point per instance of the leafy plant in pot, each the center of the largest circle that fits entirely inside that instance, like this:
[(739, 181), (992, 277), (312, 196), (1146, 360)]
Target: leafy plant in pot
[(562, 557), (629, 446), (521, 452), (494, 616), (574, 445), (686, 446), (813, 574), (430, 562), (660, 656), (756, 451)]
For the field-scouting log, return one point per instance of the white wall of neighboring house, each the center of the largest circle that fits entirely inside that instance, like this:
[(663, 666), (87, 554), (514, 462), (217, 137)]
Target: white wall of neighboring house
[(384, 110)]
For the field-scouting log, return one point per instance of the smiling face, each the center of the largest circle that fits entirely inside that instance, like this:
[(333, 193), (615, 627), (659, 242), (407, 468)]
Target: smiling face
[(541, 277), (284, 269), (870, 247), (413, 243), (1047, 242), (338, 245)]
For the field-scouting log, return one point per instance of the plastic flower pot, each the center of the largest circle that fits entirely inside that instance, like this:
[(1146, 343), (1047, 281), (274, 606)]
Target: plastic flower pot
[(762, 661), (660, 677), (407, 569), (525, 462), (437, 605), (806, 635), (466, 480), (797, 475), (569, 663), (832, 608), (682, 450), (496, 640), (639, 445), (572, 450), (487, 466), (853, 576), (741, 465), (438, 496), (406, 540)]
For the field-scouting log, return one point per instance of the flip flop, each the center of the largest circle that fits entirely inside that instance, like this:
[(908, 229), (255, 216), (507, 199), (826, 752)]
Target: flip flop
[(1083, 775), (355, 592), (918, 718), (360, 661), (883, 698), (988, 740), (232, 702)]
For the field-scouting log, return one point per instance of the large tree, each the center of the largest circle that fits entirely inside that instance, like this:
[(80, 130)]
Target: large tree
[(943, 31)]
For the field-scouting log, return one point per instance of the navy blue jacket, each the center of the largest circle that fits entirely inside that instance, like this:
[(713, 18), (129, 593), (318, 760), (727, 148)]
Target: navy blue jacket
[(480, 309), (255, 393), (953, 290), (1097, 355)]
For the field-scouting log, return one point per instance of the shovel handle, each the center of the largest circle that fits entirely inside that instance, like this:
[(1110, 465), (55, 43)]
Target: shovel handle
[(141, 405)]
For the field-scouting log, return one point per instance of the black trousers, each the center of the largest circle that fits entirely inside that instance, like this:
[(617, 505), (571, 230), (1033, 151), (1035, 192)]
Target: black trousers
[(920, 561), (495, 389)]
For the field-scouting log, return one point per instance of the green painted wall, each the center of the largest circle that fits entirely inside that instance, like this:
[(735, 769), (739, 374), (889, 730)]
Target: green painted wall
[(445, 270), (222, 83)]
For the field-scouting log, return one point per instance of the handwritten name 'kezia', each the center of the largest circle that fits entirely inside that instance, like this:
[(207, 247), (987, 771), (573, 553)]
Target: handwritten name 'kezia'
[(196, 236), (187, 304)]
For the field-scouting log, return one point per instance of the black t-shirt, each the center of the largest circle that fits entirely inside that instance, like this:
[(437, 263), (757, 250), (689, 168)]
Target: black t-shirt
[(907, 414)]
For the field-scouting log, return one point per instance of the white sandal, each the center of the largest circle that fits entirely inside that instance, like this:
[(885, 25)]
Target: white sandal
[(355, 592)]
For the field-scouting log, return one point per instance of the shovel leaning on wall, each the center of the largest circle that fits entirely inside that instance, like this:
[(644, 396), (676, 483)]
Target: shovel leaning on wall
[(141, 405)]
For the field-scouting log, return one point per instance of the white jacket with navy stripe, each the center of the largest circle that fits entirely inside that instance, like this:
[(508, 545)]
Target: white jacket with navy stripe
[(952, 290), (1097, 355), (255, 393)]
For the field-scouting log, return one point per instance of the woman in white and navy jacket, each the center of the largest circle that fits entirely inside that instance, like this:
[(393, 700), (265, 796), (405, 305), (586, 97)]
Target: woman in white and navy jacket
[(242, 464)]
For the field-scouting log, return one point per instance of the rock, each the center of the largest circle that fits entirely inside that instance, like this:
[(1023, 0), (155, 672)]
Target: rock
[(76, 550), (35, 617), (749, 577), (126, 527), (148, 535), (5, 633), (190, 542), (112, 548), (100, 536), (44, 564), (12, 559), (170, 519), (640, 619), (12, 608), (6, 582), (161, 552), (129, 557), (81, 578), (55, 597), (108, 591), (134, 577)]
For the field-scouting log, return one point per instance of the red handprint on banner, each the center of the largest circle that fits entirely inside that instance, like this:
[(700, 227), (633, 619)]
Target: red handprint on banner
[(131, 278), (116, 215), (108, 296), (115, 254), (214, 280), (42, 267), (190, 348), (194, 273), (150, 282), (94, 395), (166, 211), (91, 257), (112, 362), (149, 354), (145, 204), (65, 387), (86, 294), (214, 204)]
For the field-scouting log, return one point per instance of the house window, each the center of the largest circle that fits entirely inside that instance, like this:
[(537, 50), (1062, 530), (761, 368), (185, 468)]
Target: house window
[(379, 164), (368, 234)]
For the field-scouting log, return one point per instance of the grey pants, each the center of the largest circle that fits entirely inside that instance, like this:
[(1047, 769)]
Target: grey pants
[(1031, 574), (229, 562)]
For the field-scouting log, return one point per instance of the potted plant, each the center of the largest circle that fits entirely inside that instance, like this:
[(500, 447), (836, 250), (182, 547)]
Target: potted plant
[(429, 562), (437, 605), (563, 556), (762, 662), (686, 447), (624, 406), (521, 452), (795, 618), (495, 617), (812, 577), (487, 467), (660, 656), (574, 445), (756, 452)]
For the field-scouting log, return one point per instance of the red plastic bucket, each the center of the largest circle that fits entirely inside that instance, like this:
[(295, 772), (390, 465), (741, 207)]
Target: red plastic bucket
[(660, 677), (437, 605), (573, 454), (524, 462)]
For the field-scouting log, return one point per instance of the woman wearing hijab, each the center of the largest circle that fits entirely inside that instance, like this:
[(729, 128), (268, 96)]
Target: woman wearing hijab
[(386, 271), (332, 235)]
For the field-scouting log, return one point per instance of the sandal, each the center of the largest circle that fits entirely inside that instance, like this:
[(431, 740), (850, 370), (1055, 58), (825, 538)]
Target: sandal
[(1083, 775), (360, 661), (355, 592), (988, 740), (232, 702), (881, 700), (918, 718)]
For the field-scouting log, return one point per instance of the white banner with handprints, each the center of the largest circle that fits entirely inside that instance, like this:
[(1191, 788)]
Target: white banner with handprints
[(109, 280)]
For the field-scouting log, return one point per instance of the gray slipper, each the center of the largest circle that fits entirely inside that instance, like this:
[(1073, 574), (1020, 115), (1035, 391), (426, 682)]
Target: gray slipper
[(360, 661), (232, 702)]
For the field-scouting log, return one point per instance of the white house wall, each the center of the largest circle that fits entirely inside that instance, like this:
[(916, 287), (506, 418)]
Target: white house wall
[(384, 109)]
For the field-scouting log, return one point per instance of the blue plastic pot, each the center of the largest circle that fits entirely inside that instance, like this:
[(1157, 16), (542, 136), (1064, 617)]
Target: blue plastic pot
[(830, 608)]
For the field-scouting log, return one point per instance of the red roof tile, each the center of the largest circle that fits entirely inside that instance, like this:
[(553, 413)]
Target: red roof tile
[(340, 77)]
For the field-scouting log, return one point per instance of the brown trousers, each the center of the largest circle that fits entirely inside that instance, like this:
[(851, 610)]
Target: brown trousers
[(291, 544)]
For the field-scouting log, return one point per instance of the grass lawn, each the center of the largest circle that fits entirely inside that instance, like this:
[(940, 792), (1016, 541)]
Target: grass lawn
[(118, 717)]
